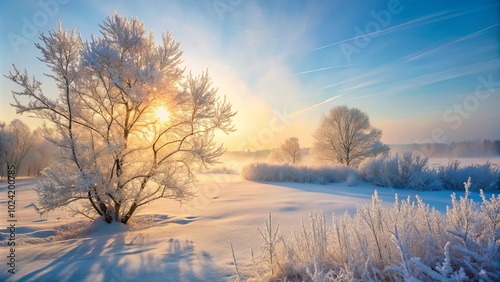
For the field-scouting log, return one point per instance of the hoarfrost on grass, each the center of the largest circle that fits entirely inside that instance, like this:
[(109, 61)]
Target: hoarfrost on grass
[(462, 245)]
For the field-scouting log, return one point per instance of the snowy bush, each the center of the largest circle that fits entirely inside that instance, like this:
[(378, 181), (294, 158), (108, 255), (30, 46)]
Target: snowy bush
[(352, 180), (300, 174), (400, 171), (485, 176), (410, 171), (407, 242)]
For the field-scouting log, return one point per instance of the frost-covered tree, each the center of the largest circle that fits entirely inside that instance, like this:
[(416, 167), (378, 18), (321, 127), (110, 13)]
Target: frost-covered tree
[(40, 156), (130, 126), (288, 152), (23, 148), (16, 140), (346, 136)]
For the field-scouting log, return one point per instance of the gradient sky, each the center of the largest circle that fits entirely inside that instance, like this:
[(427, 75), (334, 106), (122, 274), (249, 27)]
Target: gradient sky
[(424, 71)]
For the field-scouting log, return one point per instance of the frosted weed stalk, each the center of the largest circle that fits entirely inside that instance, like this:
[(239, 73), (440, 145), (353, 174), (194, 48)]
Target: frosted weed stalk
[(409, 241)]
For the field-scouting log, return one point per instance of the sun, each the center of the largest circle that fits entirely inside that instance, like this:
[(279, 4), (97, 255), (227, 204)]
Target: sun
[(162, 113)]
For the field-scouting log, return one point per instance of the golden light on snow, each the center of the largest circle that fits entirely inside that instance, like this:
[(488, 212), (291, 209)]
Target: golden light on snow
[(162, 113)]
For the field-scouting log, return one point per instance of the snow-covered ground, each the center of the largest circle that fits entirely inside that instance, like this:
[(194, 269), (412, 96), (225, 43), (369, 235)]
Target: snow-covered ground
[(169, 242)]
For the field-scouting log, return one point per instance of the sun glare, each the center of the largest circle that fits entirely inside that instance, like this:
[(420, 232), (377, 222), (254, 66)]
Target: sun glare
[(162, 114)]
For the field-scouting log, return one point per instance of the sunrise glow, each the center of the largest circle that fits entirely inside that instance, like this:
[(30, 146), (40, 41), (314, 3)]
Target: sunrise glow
[(162, 114)]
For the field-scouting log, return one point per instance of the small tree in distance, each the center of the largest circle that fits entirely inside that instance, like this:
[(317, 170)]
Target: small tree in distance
[(345, 136), (129, 125), (288, 152), (16, 140)]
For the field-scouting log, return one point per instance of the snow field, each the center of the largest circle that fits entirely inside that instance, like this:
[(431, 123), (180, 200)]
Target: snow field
[(169, 242)]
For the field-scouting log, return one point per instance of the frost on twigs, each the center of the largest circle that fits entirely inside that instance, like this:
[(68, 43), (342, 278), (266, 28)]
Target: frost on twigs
[(114, 153)]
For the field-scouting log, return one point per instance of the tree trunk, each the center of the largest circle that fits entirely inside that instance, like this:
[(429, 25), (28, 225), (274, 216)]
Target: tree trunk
[(93, 204), (129, 214), (117, 211), (102, 210)]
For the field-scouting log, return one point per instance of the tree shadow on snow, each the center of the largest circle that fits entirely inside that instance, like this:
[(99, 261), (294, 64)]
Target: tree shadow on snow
[(363, 191), (127, 258)]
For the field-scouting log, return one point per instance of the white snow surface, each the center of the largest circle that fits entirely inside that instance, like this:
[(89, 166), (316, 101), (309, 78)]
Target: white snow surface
[(169, 242)]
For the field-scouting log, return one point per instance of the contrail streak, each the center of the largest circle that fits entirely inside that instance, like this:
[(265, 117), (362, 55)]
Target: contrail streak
[(301, 111), (325, 68)]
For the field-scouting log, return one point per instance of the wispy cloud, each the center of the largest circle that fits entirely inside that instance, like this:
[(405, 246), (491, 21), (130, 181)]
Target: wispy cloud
[(301, 111), (420, 54), (325, 68), (436, 77), (444, 15), (377, 75), (364, 84), (361, 79)]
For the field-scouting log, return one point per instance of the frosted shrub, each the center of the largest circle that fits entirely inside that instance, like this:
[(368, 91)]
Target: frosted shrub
[(374, 170), (410, 165), (410, 171), (485, 176), (409, 241), (448, 174), (473, 252), (400, 171), (292, 173), (490, 211), (352, 180), (425, 180), (462, 214)]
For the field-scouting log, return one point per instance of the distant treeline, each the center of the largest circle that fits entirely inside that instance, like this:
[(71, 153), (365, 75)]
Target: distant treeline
[(462, 149), (23, 149)]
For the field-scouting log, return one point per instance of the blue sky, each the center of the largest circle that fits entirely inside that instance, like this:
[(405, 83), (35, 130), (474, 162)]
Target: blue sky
[(422, 70)]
